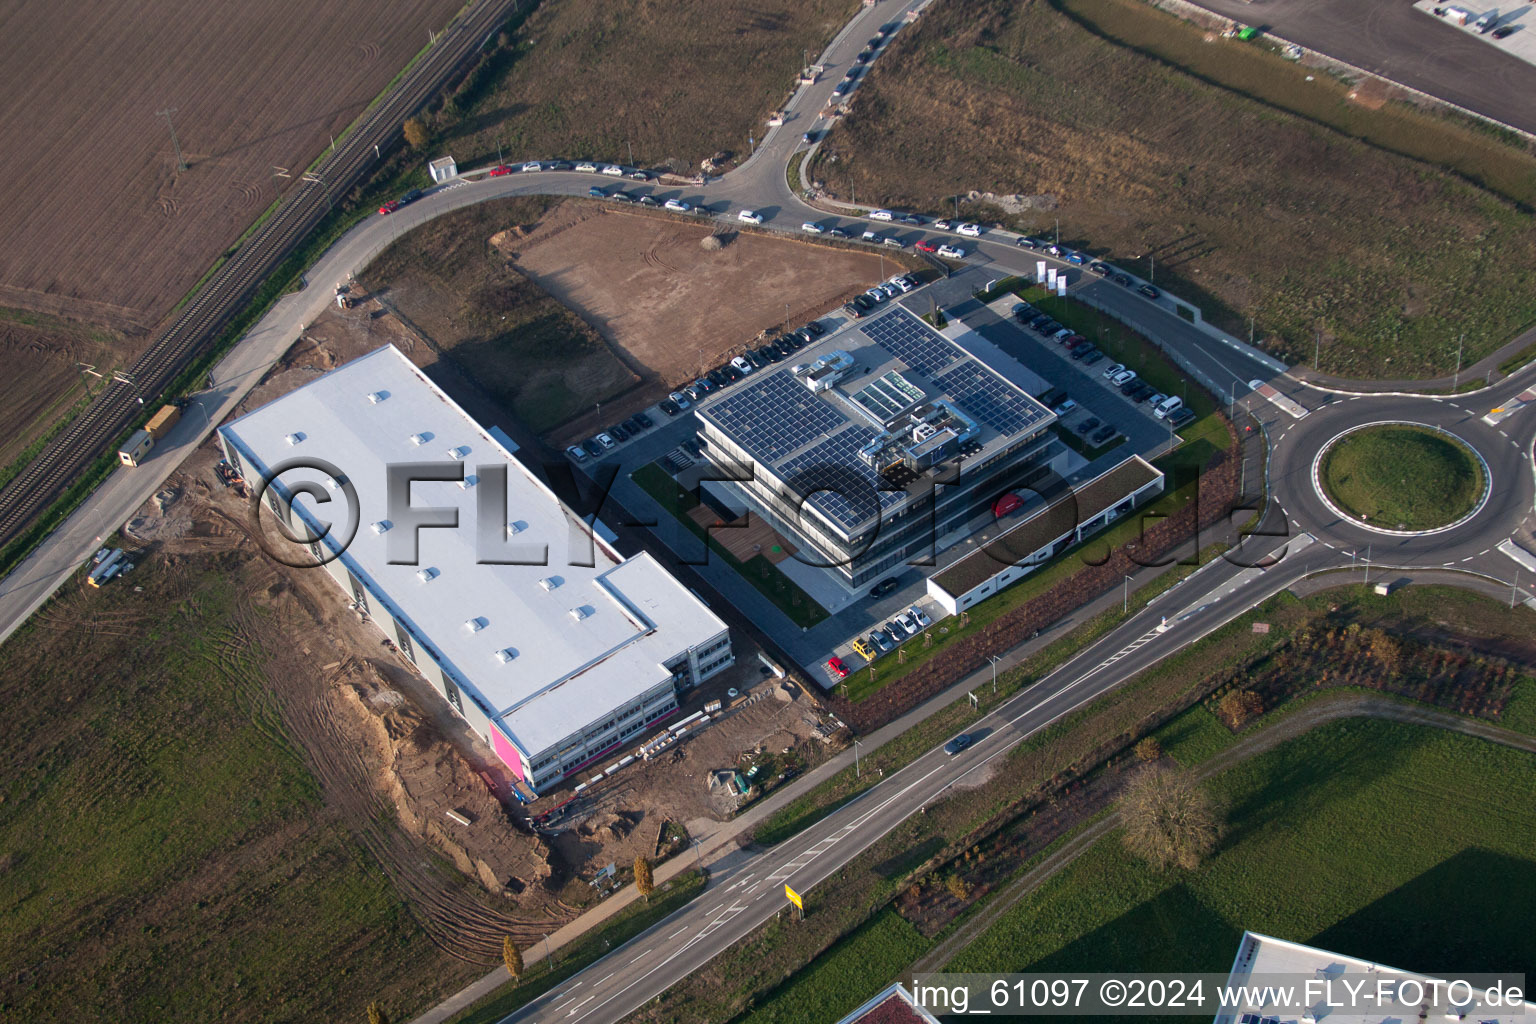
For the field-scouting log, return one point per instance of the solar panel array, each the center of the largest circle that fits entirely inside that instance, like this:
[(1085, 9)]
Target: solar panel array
[(837, 482), (889, 395), (913, 342), (773, 416), (981, 393)]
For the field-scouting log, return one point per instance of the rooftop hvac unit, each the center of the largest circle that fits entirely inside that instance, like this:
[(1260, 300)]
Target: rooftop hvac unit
[(420, 439), (469, 481), (458, 453), (428, 574), (516, 527), (382, 526), (476, 624), (549, 582), (293, 438), (375, 397), (505, 655), (578, 614)]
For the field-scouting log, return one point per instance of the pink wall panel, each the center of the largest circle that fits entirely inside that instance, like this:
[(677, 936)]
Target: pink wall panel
[(507, 752)]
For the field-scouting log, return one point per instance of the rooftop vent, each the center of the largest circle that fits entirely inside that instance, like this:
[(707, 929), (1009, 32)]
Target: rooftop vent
[(458, 453), (375, 397), (518, 526), (550, 582), (469, 481), (382, 526), (428, 574), (476, 624), (579, 613), (421, 439), (293, 438), (506, 654)]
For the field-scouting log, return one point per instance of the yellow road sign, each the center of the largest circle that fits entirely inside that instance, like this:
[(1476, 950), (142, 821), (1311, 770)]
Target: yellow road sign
[(794, 897)]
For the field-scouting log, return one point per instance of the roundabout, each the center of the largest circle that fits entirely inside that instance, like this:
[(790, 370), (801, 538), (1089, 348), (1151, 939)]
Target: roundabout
[(1401, 478)]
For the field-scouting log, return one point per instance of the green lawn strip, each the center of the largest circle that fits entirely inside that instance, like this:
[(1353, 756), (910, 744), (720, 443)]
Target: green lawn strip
[(1335, 838), (842, 977), (538, 978), (1518, 360), (766, 577), (1402, 477), (848, 783)]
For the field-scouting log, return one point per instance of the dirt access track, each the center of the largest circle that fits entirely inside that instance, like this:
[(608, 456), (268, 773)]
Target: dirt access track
[(100, 225), (669, 306)]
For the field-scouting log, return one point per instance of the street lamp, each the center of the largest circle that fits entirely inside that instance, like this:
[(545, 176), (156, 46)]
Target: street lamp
[(127, 378), (1125, 599), (857, 770), (994, 659), (698, 855)]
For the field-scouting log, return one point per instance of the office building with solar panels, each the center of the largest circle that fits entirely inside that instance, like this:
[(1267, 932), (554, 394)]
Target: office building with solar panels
[(881, 439)]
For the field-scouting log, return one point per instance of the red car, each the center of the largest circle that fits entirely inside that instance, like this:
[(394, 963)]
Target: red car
[(837, 668), (1007, 504), (927, 246), (390, 207), (499, 170)]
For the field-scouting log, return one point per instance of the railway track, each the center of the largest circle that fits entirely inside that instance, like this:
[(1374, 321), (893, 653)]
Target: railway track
[(32, 490)]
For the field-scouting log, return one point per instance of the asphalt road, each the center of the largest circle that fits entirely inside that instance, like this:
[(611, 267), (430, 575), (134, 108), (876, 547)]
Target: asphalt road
[(1392, 39)]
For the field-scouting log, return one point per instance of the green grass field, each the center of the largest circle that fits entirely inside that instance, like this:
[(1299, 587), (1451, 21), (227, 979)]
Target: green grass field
[(1251, 191), (166, 855), (1400, 844), (1402, 477)]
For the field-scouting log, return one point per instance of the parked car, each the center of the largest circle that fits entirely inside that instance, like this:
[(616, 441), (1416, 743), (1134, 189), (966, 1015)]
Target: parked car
[(1076, 258), (1122, 378), (649, 201), (896, 633), (1154, 399), (903, 282), (1182, 417), (1504, 31), (913, 219), (1030, 242), (927, 245), (881, 215), (1136, 390), (953, 252), (852, 312), (640, 175), (669, 405), (908, 623), (864, 649), (533, 165), (810, 227), (1149, 291), (1112, 369), (1123, 280), (815, 328), (587, 168), (1087, 425), (969, 230), (597, 192), (576, 454), (883, 643), (1168, 406), (837, 668), (809, 137), (679, 399), (957, 744), (499, 170), (743, 364), (942, 225), (836, 233), (892, 240), (1104, 433), (870, 235), (677, 206), (613, 169), (875, 295), (632, 427), (1083, 351), (390, 207), (591, 447), (1093, 356), (885, 586), (920, 617), (750, 217), (618, 433)]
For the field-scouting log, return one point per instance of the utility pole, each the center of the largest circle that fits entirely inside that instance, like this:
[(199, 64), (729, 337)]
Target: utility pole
[(1367, 581), (1460, 341), (631, 146), (315, 179), (1317, 348), (181, 164), (957, 206)]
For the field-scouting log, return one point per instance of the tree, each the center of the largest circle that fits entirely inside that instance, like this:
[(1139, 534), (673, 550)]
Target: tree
[(957, 886), (511, 957), (1385, 649), (1238, 707), (1170, 820), (1149, 750), (376, 1014), (645, 882), (416, 134)]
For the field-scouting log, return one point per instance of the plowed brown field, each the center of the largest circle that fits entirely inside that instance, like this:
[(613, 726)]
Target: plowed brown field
[(97, 223)]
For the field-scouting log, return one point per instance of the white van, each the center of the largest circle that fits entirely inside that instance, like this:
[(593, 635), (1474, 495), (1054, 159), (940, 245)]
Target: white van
[(1168, 406)]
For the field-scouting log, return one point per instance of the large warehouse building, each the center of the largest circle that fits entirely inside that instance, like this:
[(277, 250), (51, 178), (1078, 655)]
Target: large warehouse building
[(887, 436), (555, 661)]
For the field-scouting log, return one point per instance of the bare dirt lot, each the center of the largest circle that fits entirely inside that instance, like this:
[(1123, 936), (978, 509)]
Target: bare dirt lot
[(41, 353), (553, 308)]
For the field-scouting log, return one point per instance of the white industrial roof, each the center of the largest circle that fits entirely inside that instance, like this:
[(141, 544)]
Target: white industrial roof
[(583, 639), (1264, 961)]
